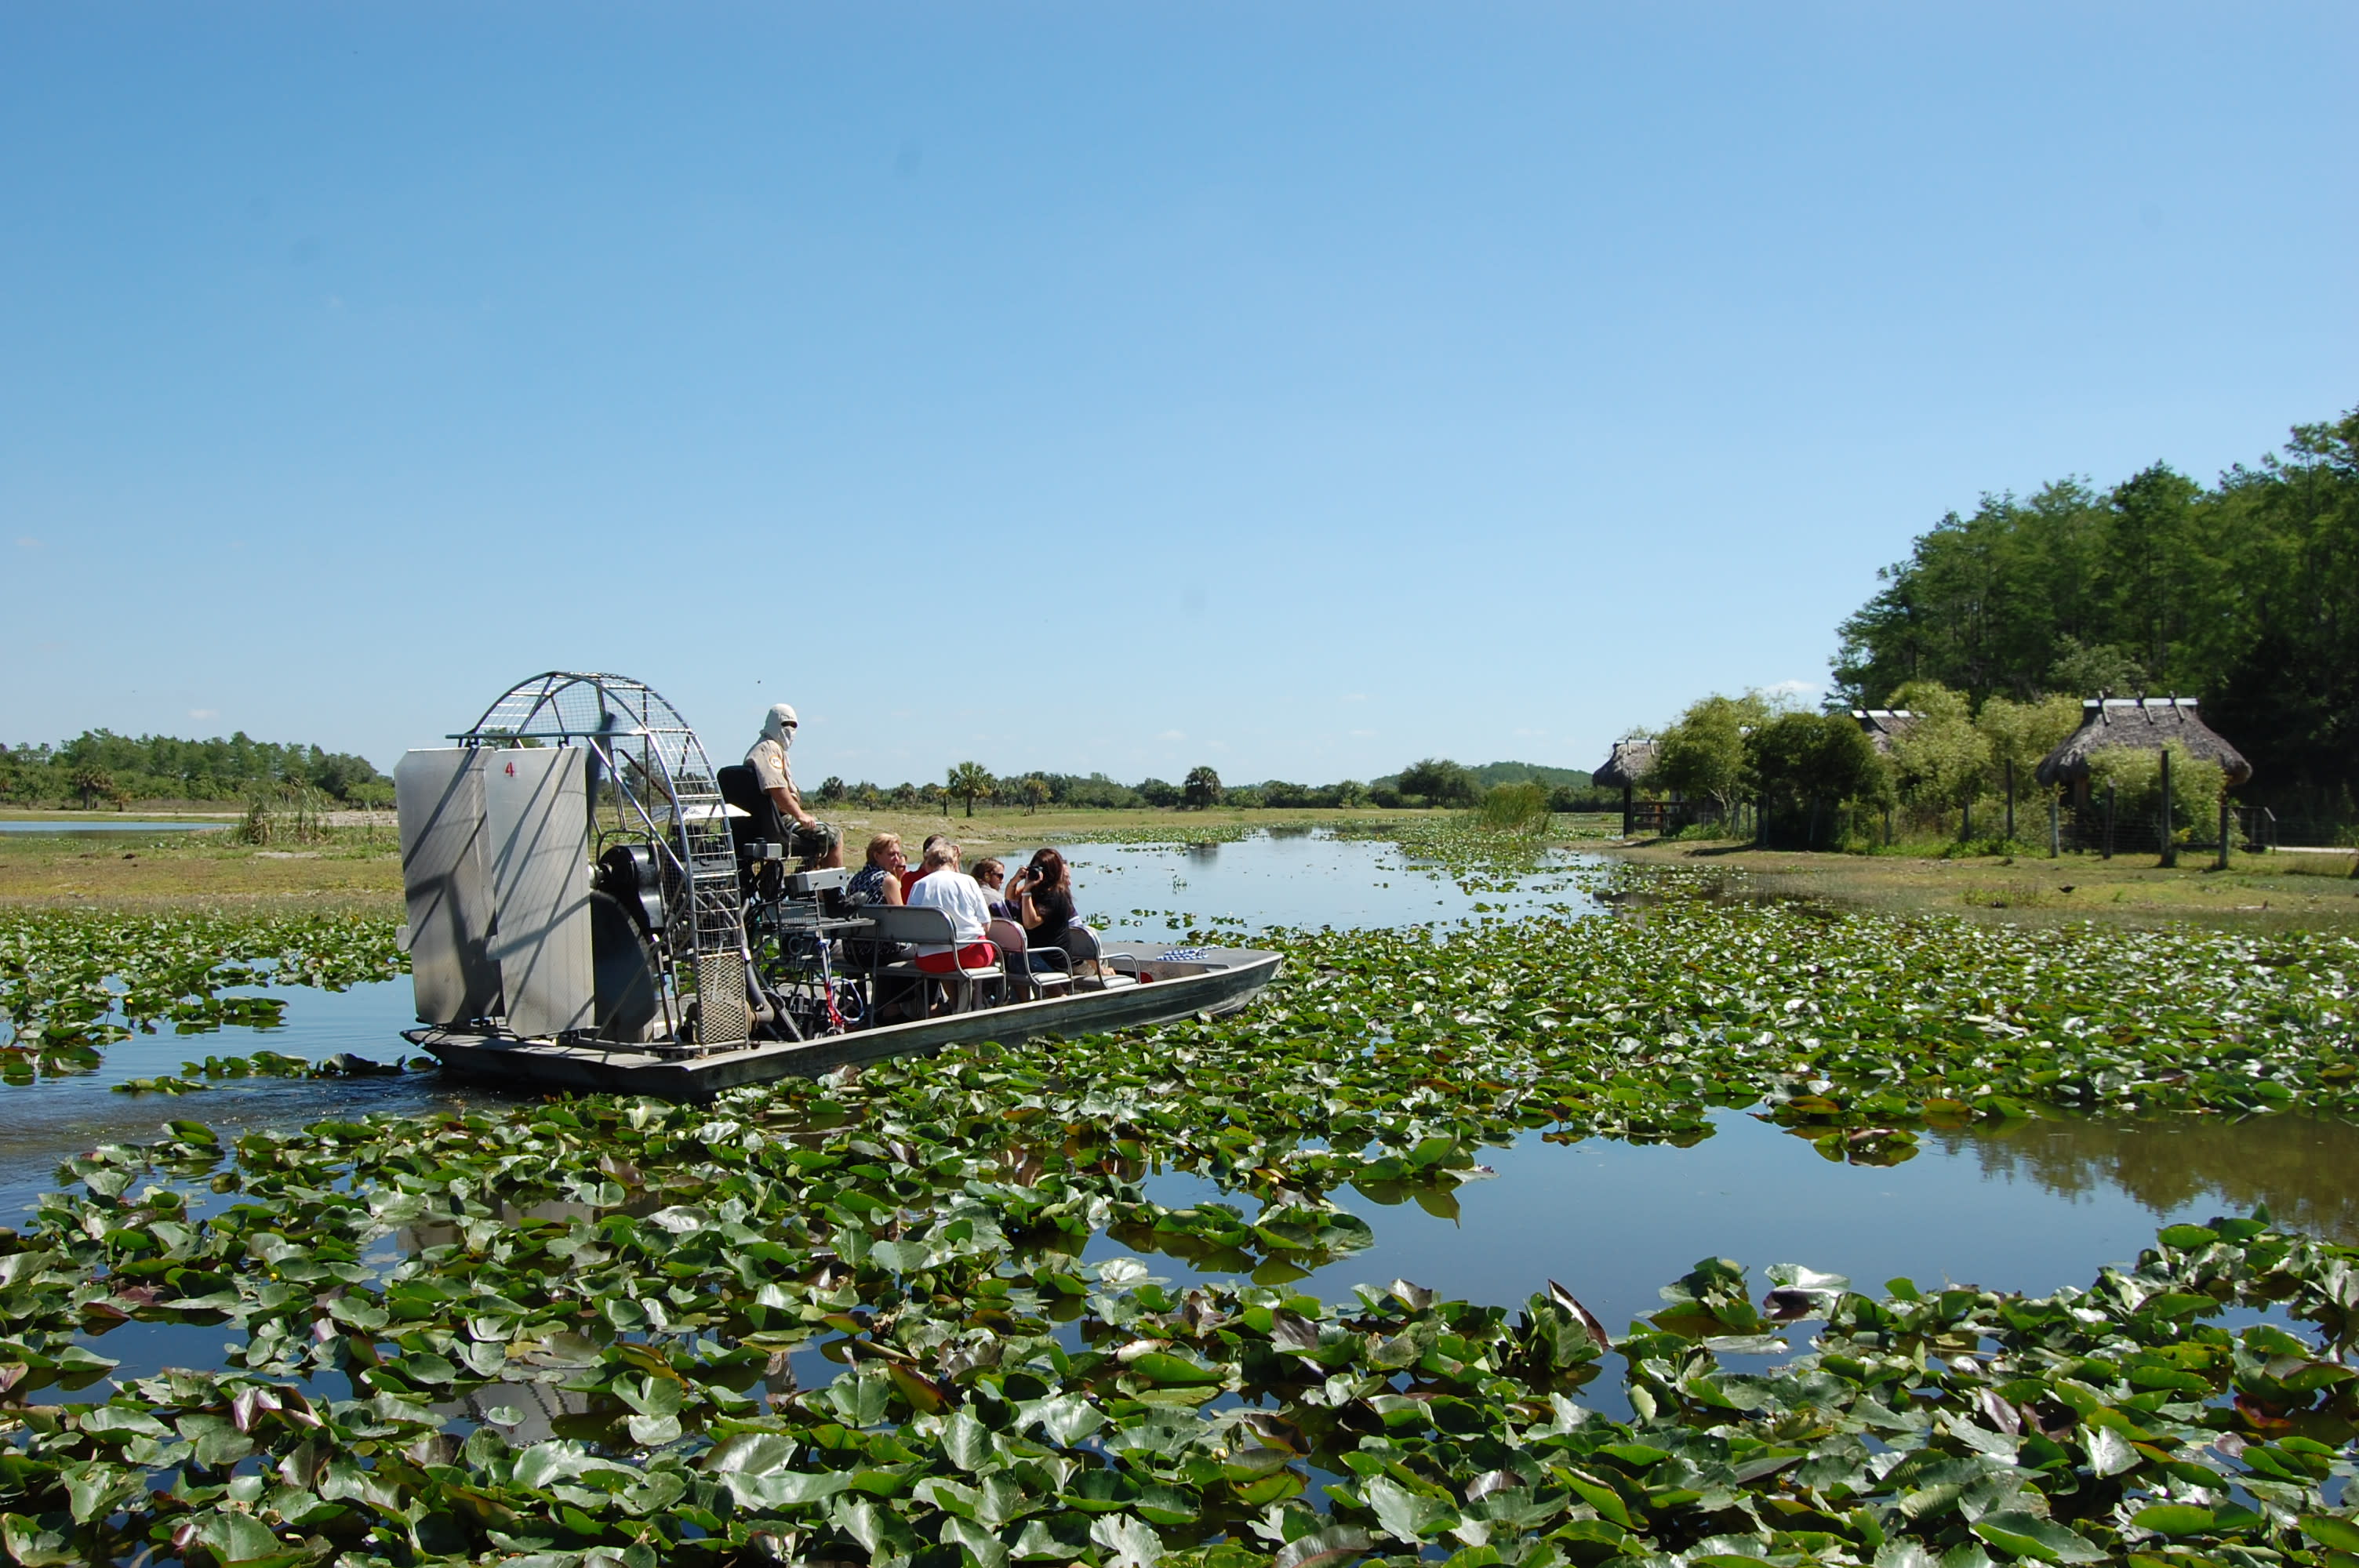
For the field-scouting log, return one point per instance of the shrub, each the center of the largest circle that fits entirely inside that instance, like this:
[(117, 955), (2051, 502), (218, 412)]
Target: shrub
[(2135, 775), (1516, 808)]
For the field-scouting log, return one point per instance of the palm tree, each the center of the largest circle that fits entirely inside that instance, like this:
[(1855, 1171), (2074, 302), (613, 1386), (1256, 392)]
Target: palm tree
[(969, 780), (1201, 788), (1036, 793), (92, 781)]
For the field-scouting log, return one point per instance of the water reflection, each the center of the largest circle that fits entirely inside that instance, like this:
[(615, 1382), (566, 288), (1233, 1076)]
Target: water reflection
[(2305, 1169), (2034, 1206)]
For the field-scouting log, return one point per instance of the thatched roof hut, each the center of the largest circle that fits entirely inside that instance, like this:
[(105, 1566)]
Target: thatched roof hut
[(1630, 763), (2148, 724), (1884, 725)]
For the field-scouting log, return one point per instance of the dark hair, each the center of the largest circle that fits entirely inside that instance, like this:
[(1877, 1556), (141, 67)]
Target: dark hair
[(1051, 866)]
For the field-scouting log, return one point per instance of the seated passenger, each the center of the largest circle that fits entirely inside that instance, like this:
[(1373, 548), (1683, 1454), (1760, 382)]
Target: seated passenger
[(909, 874), (1043, 895), (879, 881), (810, 840), (989, 874), (945, 887)]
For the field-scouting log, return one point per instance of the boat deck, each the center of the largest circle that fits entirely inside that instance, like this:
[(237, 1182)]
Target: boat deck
[(1209, 980)]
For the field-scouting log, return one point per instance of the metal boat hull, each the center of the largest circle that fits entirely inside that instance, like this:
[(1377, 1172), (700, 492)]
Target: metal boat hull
[(1214, 980)]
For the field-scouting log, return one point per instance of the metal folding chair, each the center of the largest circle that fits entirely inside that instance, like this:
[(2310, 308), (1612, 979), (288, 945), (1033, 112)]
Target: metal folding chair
[(931, 928), (1015, 955)]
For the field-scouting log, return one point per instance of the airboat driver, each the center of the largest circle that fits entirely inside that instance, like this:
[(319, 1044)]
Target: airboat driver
[(813, 842)]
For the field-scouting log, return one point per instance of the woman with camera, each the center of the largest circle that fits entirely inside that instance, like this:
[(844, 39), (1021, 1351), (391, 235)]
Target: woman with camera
[(1042, 893)]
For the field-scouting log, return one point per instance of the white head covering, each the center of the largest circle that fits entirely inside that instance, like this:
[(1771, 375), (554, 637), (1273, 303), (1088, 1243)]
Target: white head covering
[(778, 725)]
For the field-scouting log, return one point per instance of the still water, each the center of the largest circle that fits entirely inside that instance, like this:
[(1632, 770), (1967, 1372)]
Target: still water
[(1303, 880), (2034, 1205), (2031, 1206)]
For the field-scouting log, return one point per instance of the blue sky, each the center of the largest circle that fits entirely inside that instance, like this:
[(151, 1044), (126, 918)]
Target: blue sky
[(1301, 389)]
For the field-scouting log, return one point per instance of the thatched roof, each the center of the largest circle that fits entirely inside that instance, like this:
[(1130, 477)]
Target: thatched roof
[(1884, 725), (2145, 723), (1632, 760)]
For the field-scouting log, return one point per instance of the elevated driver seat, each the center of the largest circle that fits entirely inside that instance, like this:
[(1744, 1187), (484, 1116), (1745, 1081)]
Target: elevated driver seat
[(762, 824)]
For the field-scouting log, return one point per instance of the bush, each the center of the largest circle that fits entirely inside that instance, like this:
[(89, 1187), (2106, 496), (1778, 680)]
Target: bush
[(291, 813), (1516, 808), (2135, 775)]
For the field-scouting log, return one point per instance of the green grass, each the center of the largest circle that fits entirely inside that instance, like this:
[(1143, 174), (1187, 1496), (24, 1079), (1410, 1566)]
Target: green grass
[(2263, 890)]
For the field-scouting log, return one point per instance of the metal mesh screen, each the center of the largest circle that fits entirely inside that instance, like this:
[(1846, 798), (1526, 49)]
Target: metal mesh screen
[(721, 999)]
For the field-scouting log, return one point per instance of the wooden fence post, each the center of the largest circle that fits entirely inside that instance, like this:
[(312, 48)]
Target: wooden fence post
[(2222, 863), (2108, 853), (2055, 828), (2010, 800), (2169, 846)]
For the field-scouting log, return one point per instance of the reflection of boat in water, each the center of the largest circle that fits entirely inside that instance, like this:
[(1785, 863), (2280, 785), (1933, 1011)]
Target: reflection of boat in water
[(592, 905)]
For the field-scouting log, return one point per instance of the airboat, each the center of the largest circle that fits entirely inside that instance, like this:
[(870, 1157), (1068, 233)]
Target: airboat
[(592, 905)]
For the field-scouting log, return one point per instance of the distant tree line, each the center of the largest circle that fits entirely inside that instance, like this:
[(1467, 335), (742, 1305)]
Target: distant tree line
[(2244, 594), (1434, 782), (99, 767)]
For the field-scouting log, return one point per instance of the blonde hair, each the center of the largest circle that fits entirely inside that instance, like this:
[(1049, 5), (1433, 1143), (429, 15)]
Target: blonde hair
[(878, 844)]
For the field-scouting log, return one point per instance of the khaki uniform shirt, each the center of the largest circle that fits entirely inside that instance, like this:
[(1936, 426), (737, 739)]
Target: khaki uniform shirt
[(768, 760)]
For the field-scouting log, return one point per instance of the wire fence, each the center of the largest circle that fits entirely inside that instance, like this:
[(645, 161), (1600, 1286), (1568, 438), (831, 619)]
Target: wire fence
[(2265, 828), (2098, 829)]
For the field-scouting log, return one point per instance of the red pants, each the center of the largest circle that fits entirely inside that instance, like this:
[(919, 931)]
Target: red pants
[(973, 955)]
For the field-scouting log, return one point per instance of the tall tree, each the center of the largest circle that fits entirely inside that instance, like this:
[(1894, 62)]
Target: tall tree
[(2021, 734), (1810, 765), (1701, 755), (1941, 762), (1201, 788), (91, 782), (969, 782), (1440, 781)]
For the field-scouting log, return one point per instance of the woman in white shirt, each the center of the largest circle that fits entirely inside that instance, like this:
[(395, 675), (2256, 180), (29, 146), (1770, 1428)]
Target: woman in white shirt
[(944, 887)]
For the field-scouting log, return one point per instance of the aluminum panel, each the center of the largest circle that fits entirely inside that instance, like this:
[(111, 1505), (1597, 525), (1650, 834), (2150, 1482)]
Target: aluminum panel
[(439, 797), (535, 811)]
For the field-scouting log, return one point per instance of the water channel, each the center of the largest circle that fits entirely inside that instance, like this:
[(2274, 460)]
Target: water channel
[(2032, 1206)]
